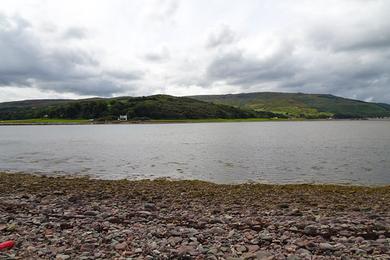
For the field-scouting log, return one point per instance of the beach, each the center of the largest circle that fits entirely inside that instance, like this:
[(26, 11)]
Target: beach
[(82, 218)]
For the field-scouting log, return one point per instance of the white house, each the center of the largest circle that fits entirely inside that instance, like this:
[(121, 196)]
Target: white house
[(122, 118)]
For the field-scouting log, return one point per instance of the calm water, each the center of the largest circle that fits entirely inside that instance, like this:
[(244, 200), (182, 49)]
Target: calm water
[(277, 152)]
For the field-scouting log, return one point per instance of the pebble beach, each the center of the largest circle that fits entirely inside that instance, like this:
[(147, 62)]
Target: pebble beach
[(80, 218)]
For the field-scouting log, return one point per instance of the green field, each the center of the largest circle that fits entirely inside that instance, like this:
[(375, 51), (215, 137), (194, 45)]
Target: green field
[(221, 120), (45, 121)]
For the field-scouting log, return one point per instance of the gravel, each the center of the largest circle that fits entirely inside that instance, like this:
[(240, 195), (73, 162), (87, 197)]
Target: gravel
[(80, 218)]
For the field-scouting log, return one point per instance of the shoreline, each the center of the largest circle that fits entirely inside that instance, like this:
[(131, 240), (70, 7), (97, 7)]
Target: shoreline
[(162, 121), (93, 178), (178, 121), (67, 218)]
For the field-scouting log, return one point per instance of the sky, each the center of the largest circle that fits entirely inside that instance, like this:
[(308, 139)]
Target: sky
[(77, 49)]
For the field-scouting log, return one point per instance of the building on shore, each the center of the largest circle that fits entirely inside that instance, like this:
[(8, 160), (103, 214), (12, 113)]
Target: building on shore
[(122, 118)]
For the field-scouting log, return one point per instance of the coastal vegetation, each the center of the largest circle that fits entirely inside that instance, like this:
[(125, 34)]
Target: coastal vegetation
[(44, 121), (136, 108), (232, 107)]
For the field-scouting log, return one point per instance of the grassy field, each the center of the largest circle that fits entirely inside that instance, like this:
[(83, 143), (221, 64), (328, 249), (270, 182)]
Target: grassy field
[(44, 121), (219, 120)]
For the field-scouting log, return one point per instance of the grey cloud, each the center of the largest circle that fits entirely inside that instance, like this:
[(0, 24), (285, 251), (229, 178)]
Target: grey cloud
[(236, 68), (362, 39), (358, 75), (75, 33), (93, 86), (28, 62), (371, 33), (345, 76), (377, 41), (221, 36), (351, 59), (165, 10), (124, 75), (158, 56), (170, 7)]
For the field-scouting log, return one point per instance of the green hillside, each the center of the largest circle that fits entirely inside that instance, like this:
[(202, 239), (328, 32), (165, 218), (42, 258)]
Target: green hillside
[(150, 107), (301, 105)]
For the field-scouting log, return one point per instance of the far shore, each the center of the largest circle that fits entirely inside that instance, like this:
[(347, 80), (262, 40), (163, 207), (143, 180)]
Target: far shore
[(70, 218), (164, 121)]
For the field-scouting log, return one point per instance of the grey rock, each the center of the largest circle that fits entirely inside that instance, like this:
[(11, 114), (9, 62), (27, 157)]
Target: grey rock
[(310, 230), (62, 257), (150, 206), (326, 246), (121, 246), (303, 252), (138, 250), (265, 235), (217, 231), (264, 255), (144, 213)]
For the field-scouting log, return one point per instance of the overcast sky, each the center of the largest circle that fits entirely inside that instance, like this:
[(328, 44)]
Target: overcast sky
[(83, 48)]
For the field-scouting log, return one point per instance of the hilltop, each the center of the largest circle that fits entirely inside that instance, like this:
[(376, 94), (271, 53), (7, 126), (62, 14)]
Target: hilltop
[(149, 107), (230, 106), (301, 105)]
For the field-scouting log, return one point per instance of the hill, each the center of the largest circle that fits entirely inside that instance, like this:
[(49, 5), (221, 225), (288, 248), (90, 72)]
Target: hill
[(150, 107), (301, 105)]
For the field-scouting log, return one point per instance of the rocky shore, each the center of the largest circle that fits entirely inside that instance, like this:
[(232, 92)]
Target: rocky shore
[(78, 218)]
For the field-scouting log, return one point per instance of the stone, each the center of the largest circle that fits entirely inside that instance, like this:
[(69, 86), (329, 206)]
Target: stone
[(252, 248), (138, 250), (117, 222), (296, 213), (326, 246), (182, 250), (31, 248), (264, 255), (65, 225), (91, 213), (62, 257), (231, 233), (74, 198), (241, 248), (217, 231), (303, 252), (283, 206), (144, 213), (150, 206), (153, 245), (265, 235), (120, 246), (310, 230)]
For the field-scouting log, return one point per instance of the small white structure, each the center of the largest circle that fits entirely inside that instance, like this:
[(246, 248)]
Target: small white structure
[(122, 118)]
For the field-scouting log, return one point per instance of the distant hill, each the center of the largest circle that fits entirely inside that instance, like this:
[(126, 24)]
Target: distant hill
[(301, 105), (245, 105), (150, 107)]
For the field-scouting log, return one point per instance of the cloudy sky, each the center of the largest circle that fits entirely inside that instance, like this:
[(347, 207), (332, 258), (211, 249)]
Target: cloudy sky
[(71, 49)]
